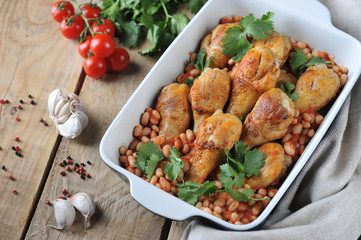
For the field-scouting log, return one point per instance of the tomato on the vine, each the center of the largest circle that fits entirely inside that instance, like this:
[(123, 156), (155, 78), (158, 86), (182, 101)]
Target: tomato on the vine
[(119, 60), (95, 67), (62, 9), (102, 45), (104, 26), (84, 47), (91, 10), (71, 27)]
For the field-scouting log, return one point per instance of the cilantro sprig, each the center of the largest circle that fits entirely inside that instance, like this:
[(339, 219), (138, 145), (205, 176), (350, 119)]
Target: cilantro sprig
[(200, 63), (148, 157), (240, 163), (154, 18), (299, 62), (288, 88), (175, 165), (236, 44), (190, 191)]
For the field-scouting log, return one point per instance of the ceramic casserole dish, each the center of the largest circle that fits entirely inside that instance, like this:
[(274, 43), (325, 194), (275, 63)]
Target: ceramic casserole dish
[(306, 20)]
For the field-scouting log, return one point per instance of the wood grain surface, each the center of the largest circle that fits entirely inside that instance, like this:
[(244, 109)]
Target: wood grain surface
[(36, 59)]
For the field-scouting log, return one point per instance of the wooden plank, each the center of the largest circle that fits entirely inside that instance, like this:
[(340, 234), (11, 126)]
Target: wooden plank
[(177, 229), (34, 59), (117, 216)]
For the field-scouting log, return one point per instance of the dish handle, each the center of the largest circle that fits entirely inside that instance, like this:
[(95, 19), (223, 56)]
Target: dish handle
[(159, 201)]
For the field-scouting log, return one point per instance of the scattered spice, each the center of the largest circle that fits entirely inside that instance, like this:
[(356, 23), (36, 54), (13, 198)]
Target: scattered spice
[(17, 139), (2, 101), (30, 96), (11, 177), (68, 157), (41, 120), (64, 191), (20, 107), (17, 148), (18, 154), (88, 175), (61, 164), (3, 168), (6, 101), (81, 169), (45, 123), (17, 119), (48, 202), (74, 168), (62, 173), (13, 148), (15, 192), (88, 162), (69, 161), (77, 165), (64, 162), (32, 102), (83, 164), (82, 177), (21, 101), (68, 169), (61, 197)]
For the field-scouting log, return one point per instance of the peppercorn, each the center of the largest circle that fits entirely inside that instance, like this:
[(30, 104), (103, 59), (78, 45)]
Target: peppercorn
[(61, 197), (32, 102), (82, 177), (21, 101), (30, 96), (17, 139), (82, 169), (2, 101), (64, 162), (68, 169), (3, 168), (69, 161), (15, 192), (17, 119), (68, 157), (88, 162), (68, 195), (74, 168), (17, 148), (62, 173), (6, 101), (18, 154), (45, 124), (11, 177), (77, 165), (48, 202), (88, 175), (13, 148), (41, 120), (64, 191), (61, 164), (83, 164), (19, 107)]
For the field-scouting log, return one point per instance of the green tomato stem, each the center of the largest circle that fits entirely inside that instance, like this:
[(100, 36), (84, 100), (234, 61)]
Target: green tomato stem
[(86, 20)]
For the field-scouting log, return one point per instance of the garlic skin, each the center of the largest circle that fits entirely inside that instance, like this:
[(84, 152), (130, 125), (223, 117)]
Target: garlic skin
[(84, 203), (64, 213), (68, 114)]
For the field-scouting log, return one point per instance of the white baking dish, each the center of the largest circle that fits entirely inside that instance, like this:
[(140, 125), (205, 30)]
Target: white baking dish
[(306, 20)]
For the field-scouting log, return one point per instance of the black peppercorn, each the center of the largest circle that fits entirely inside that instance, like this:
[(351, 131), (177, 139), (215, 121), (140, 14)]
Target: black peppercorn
[(88, 162), (64, 162), (13, 148), (77, 165), (3, 167), (32, 102), (21, 101)]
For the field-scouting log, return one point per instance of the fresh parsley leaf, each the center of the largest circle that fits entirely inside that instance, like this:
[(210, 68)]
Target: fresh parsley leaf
[(244, 195), (200, 62), (177, 23), (288, 87), (148, 157), (190, 191), (240, 163), (299, 62), (175, 165), (195, 5), (189, 82), (236, 44)]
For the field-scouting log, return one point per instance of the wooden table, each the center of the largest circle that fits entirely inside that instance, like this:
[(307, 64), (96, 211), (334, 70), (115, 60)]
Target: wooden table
[(36, 59)]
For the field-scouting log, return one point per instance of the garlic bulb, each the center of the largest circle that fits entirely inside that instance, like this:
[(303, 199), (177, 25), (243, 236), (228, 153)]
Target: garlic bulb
[(68, 114), (84, 203), (64, 213)]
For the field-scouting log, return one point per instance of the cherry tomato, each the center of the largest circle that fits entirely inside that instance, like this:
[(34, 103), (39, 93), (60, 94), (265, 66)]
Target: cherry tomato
[(105, 27), (95, 67), (71, 27), (91, 11), (62, 9), (84, 47), (102, 45), (119, 60)]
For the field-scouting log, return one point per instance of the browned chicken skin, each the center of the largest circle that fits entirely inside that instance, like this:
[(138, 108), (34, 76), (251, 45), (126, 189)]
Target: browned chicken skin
[(209, 92), (274, 167), (279, 44), (255, 74), (174, 109), (212, 43), (316, 87), (269, 119), (216, 133)]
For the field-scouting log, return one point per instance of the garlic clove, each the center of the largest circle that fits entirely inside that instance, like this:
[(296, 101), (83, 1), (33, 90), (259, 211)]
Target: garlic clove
[(52, 100), (84, 203), (64, 213), (73, 126)]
